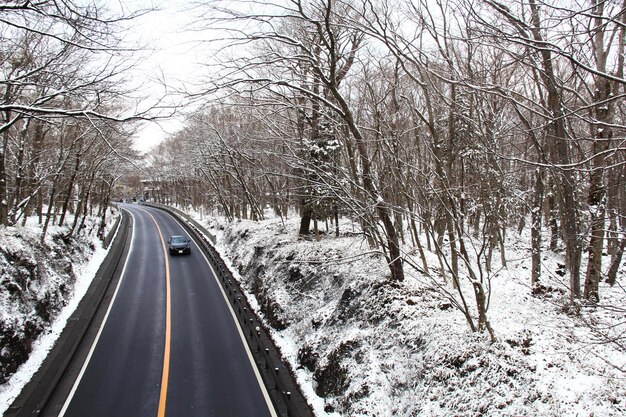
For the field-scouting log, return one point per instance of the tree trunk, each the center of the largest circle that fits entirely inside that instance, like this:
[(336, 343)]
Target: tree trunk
[(602, 132), (552, 213), (16, 199), (560, 154), (4, 195), (616, 261), (70, 187), (597, 207), (305, 219), (394, 257), (46, 223), (481, 305), (104, 206), (536, 216)]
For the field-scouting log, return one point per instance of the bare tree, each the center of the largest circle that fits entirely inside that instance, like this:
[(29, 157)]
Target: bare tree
[(597, 28), (58, 60), (329, 50)]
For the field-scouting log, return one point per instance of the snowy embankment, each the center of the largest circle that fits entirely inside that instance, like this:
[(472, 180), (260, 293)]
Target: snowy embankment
[(41, 285), (363, 346)]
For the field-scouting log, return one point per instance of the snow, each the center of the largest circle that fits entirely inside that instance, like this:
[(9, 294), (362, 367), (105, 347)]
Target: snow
[(85, 260), (405, 351), (41, 347), (387, 349)]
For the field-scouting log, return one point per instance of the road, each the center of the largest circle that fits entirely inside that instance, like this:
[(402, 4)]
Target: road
[(169, 345)]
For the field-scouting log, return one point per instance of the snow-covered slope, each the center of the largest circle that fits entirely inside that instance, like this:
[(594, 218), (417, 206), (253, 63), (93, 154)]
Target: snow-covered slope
[(364, 346), (41, 285), (360, 345)]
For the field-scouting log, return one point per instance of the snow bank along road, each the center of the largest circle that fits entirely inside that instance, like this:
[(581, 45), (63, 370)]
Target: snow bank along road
[(168, 345)]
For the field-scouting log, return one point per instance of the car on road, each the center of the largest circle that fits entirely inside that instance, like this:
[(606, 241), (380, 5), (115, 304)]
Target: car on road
[(179, 245)]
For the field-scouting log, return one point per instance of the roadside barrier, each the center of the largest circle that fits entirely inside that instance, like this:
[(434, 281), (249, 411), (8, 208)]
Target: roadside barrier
[(108, 238), (36, 397), (279, 379)]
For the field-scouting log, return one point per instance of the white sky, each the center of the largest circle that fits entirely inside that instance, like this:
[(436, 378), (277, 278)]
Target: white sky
[(171, 57)]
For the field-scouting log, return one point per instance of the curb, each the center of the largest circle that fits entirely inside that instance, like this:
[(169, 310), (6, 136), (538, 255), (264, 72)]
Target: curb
[(36, 397)]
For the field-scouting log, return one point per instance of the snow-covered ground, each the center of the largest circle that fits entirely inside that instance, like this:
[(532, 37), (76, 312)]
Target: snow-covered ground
[(40, 287), (363, 346)]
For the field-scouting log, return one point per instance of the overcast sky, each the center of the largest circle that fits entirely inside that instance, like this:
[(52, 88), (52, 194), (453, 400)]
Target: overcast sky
[(171, 56)]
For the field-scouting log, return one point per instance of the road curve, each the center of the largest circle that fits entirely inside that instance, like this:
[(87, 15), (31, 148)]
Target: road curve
[(149, 359)]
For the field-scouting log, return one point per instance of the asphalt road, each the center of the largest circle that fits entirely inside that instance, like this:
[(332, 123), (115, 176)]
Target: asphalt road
[(169, 345)]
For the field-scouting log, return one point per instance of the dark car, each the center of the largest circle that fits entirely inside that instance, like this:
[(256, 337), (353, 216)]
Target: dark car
[(179, 245)]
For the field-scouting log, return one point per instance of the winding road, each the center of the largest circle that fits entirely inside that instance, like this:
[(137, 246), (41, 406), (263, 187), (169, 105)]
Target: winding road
[(169, 344)]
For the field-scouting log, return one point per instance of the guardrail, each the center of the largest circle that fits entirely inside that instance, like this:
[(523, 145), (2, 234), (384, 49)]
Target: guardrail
[(279, 379), (187, 218)]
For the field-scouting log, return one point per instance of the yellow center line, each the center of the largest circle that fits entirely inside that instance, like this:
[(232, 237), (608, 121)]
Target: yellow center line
[(168, 328)]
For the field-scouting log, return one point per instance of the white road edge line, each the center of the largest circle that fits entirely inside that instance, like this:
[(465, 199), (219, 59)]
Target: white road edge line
[(266, 395), (106, 316)]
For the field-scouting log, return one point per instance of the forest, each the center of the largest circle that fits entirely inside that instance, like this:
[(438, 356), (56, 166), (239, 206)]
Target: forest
[(441, 126), (67, 115), (66, 123), (457, 143)]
